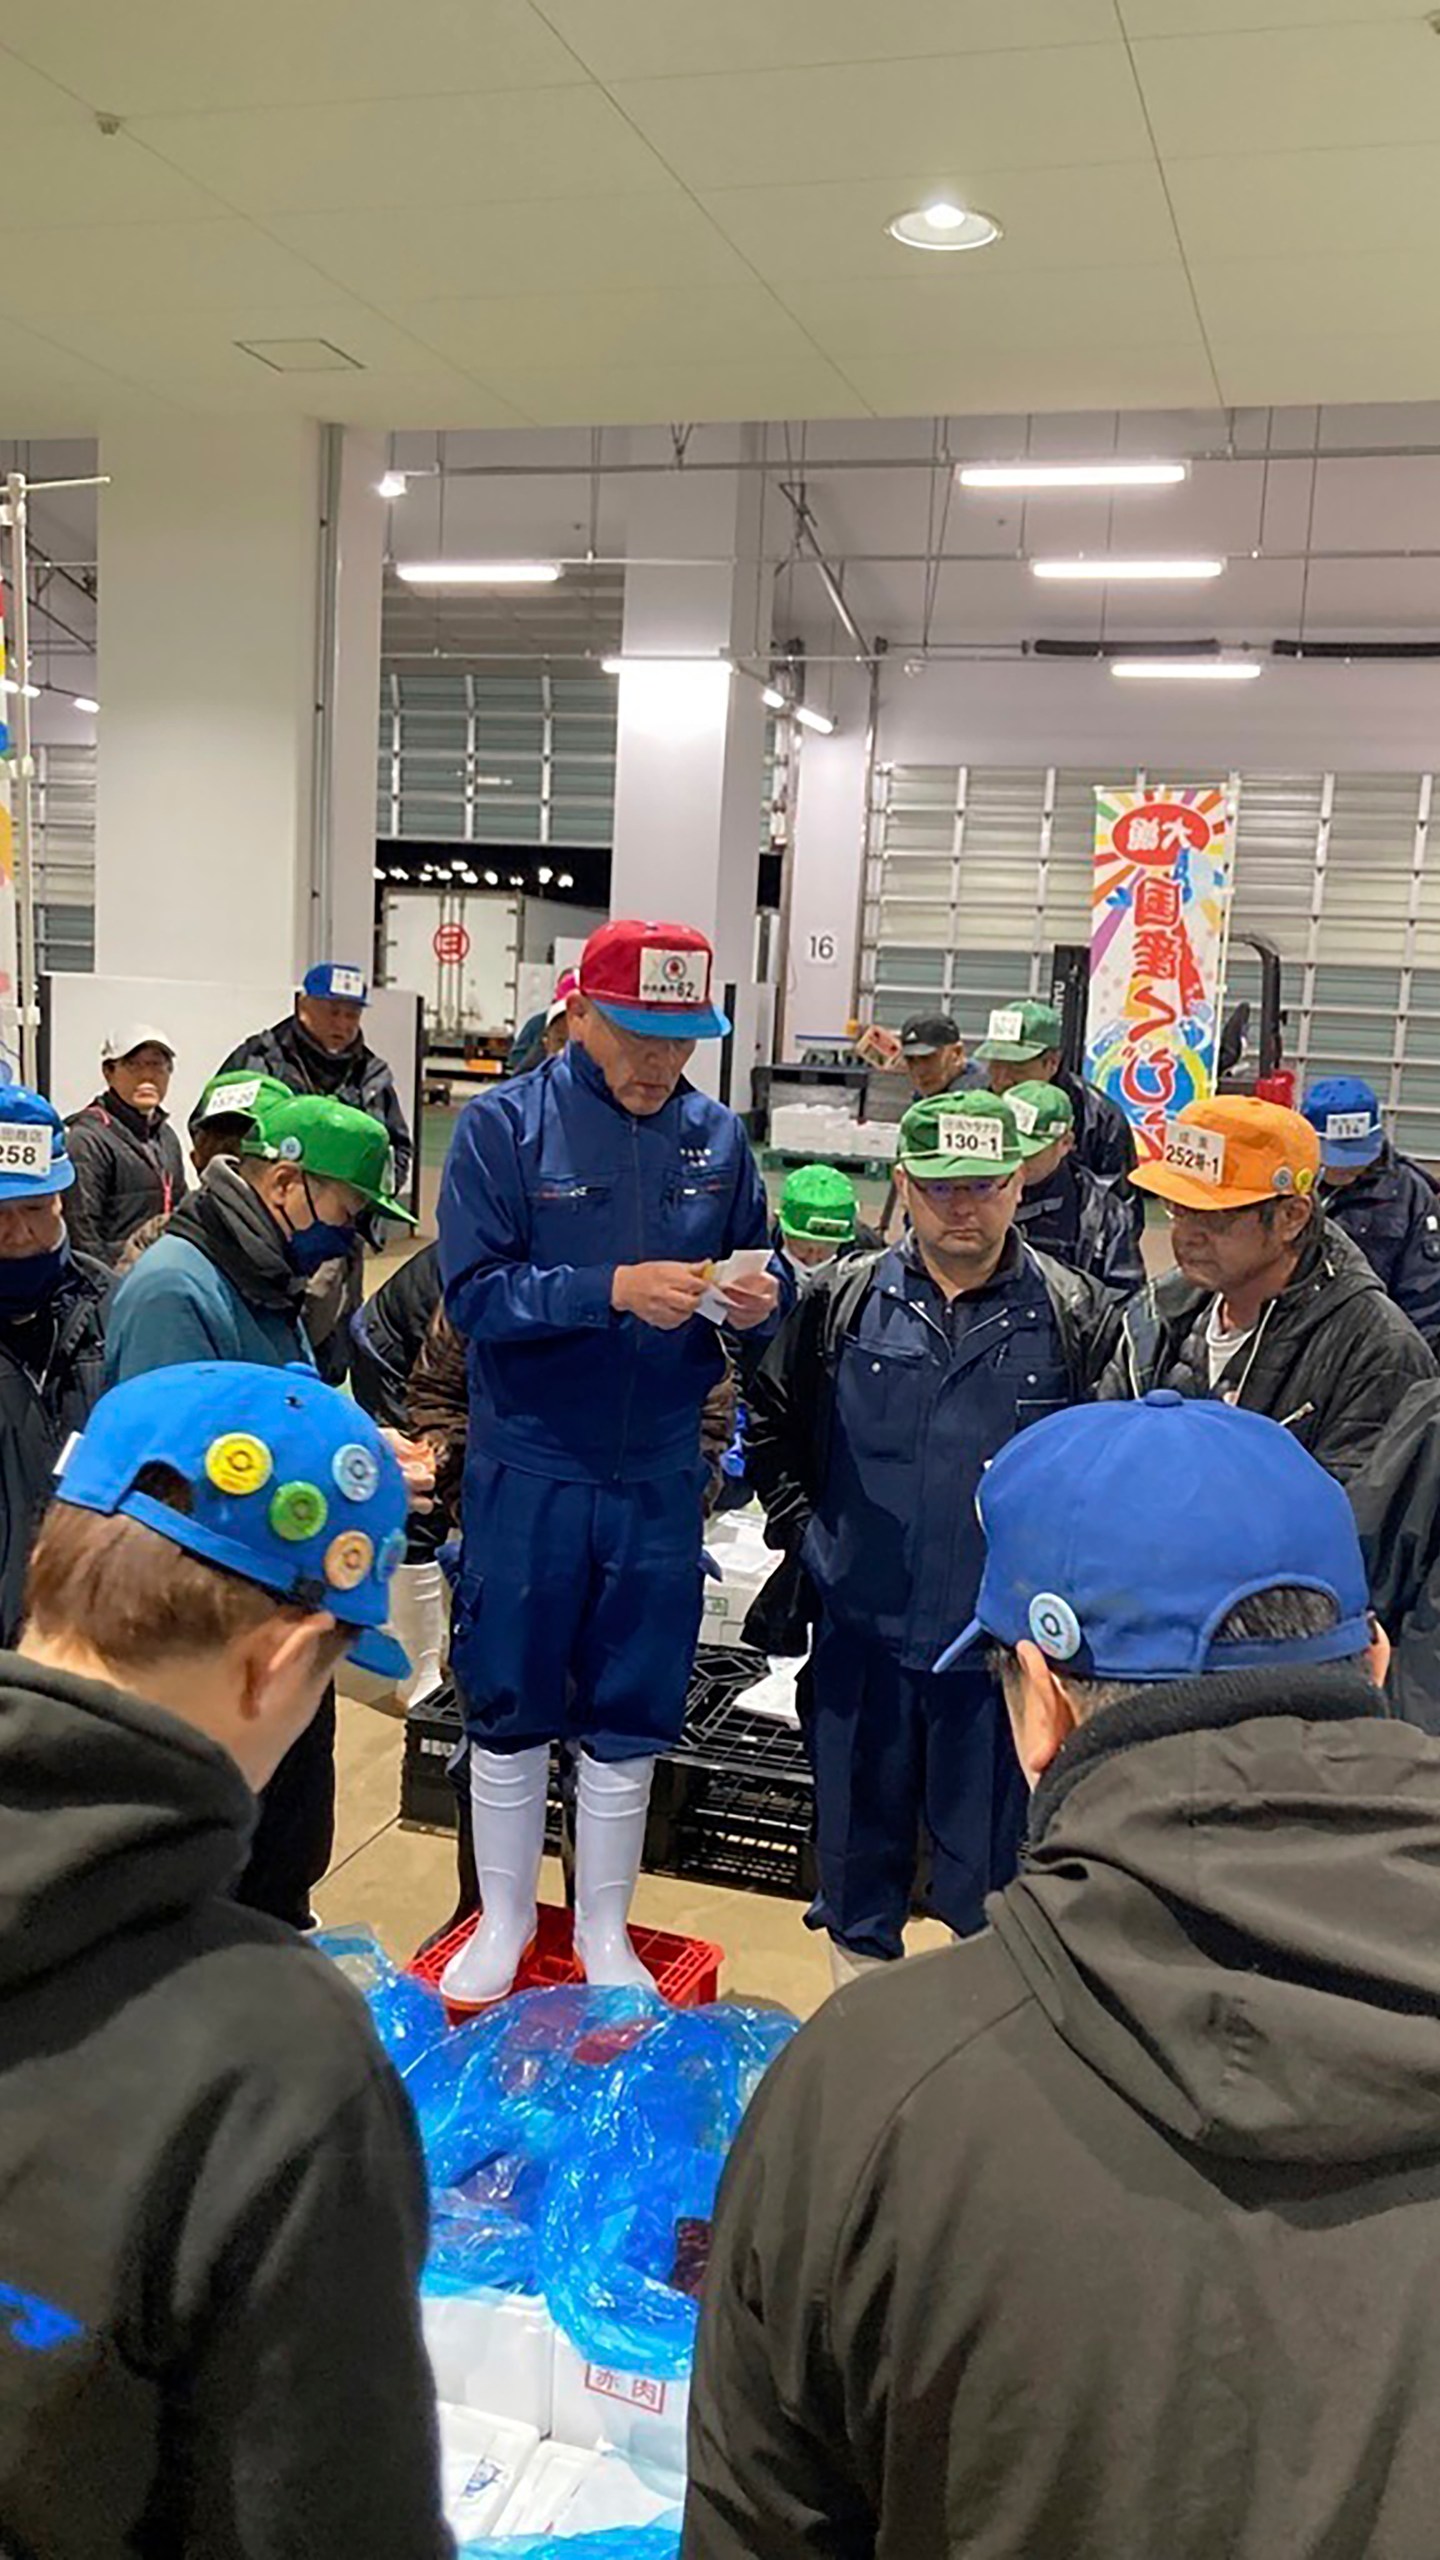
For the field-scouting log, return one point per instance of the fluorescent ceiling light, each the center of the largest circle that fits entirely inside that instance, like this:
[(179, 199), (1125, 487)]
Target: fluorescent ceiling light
[(1072, 475), (478, 573), (1113, 570), (85, 702), (944, 225), (773, 698), (391, 484), (30, 691), (620, 666), (566, 880), (820, 721), (492, 879), (1187, 670)]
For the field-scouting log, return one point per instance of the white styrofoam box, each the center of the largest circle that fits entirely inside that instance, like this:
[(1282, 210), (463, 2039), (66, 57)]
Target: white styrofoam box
[(600, 2407), (566, 2490), (877, 1138), (482, 2461), (812, 1129), (492, 2351)]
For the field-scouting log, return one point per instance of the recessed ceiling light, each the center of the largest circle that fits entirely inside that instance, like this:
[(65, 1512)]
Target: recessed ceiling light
[(944, 226), (1102, 568), (1187, 670), (391, 484), (478, 573), (1072, 475)]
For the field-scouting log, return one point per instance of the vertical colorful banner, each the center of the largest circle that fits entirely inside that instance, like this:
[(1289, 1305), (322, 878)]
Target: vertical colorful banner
[(9, 917), (1160, 897)]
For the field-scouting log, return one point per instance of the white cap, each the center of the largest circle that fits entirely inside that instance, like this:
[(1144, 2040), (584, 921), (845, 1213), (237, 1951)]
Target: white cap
[(132, 1036)]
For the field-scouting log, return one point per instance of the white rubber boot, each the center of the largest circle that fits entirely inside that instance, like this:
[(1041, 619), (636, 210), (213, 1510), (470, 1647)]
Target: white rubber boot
[(845, 1967), (418, 1616), (507, 1810), (613, 1799)]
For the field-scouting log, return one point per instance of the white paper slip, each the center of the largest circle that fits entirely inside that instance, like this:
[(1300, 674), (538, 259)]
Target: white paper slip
[(482, 2460), (748, 1264)]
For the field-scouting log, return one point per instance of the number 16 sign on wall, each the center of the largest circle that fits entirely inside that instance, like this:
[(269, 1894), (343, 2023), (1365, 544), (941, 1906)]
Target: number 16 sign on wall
[(1160, 898)]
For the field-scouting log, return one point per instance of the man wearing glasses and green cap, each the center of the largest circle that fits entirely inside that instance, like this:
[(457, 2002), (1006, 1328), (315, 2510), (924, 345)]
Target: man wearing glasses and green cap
[(886, 1393)]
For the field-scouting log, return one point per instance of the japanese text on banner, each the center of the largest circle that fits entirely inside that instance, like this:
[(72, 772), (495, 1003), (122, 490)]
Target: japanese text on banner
[(1160, 896)]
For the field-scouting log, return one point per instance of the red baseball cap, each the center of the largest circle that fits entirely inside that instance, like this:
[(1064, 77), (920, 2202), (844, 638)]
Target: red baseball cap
[(653, 979)]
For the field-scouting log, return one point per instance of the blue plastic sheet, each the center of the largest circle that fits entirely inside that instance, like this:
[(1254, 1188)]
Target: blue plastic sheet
[(643, 2167), (622, 2542), (409, 2017)]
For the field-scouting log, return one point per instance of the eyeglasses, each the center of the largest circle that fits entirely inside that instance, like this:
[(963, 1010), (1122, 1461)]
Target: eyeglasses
[(980, 1187)]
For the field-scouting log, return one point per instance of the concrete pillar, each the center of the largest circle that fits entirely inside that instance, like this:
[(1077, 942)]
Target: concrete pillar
[(215, 851), (689, 777), (827, 864)]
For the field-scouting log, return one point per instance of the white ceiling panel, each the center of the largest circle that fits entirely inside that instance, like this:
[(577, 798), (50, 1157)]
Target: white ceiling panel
[(1326, 368), (633, 40), (975, 307), (875, 120), (1341, 596), (26, 97), (497, 334), (439, 151), (1340, 298), (1225, 17), (1113, 214), (952, 381), (793, 383), (1304, 90), (152, 266), (133, 60), (537, 247), (66, 175), (1308, 203)]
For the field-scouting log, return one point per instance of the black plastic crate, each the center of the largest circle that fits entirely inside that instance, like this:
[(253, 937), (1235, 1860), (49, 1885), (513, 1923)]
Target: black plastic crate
[(432, 1731)]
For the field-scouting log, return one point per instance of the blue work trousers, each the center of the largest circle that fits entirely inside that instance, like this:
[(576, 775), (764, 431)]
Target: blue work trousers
[(577, 1610), (901, 1758)]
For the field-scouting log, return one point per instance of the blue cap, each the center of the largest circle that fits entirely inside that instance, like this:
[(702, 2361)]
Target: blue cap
[(337, 980), (1344, 1113), (1074, 1513), (34, 1150), (290, 1485)]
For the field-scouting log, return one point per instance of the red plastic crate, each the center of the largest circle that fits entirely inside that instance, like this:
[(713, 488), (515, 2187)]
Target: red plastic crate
[(686, 1970)]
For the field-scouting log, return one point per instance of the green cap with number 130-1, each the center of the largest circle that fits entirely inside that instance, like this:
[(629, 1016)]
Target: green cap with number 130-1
[(960, 1137)]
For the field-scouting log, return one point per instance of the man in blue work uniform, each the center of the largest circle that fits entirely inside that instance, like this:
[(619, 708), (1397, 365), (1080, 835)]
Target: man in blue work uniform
[(582, 1211), (1385, 1203), (1024, 1045), (1064, 1209), (876, 1409)]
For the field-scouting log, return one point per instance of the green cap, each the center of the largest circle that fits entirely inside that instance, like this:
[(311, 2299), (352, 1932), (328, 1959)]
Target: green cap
[(1042, 1114), (818, 1205), (238, 1096), (960, 1137), (332, 1141), (1021, 1031)]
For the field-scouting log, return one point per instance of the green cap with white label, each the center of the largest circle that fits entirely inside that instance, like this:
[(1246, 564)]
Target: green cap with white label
[(960, 1137)]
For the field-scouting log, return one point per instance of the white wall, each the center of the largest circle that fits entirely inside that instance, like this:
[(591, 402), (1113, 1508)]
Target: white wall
[(825, 888)]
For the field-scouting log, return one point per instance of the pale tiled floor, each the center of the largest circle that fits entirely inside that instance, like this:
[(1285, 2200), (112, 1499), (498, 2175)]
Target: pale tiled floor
[(401, 1884)]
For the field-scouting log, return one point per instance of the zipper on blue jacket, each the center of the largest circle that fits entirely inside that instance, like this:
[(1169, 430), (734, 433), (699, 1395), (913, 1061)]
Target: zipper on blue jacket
[(633, 1353)]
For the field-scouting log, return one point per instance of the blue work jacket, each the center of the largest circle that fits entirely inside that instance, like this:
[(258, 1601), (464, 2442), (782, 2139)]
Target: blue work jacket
[(551, 1184), (925, 1395), (1393, 1214)]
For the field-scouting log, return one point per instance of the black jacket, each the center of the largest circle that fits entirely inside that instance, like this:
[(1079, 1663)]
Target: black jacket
[(1104, 1139), (1332, 1359), (1392, 1213), (212, 2207), (1082, 1222), (128, 1167), (52, 1368), (357, 1076), (791, 1414), (1396, 1500), (388, 1333), (1113, 2233)]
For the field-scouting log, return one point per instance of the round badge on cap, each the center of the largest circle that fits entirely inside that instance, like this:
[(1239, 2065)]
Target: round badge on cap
[(356, 1471), (238, 1463), (1054, 1626), (298, 1511), (290, 1149), (348, 1559)]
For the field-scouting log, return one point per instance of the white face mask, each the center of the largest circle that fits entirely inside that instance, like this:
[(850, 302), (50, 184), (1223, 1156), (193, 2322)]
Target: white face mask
[(807, 1270)]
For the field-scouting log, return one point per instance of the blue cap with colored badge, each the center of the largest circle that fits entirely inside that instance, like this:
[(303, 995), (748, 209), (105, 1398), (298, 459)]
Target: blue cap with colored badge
[(287, 1484), (1344, 1113), (336, 981), (34, 1150), (1077, 1562)]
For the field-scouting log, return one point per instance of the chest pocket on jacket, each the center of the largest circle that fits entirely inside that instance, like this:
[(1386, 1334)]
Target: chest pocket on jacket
[(570, 1220), (881, 1399), (693, 1208)]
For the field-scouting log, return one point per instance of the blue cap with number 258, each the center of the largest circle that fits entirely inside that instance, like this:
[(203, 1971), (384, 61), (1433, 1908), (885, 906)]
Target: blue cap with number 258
[(1074, 1564), (34, 1151)]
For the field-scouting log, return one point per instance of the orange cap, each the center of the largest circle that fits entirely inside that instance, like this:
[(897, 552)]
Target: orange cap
[(1232, 1152)]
